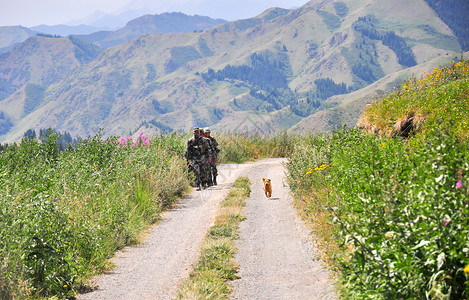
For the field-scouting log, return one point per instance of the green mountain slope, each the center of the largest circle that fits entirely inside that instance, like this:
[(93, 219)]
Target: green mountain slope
[(264, 74)]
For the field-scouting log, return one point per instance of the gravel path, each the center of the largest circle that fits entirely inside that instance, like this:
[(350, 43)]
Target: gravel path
[(275, 252)]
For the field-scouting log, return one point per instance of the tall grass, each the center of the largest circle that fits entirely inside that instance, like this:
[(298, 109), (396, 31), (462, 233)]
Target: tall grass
[(398, 208), (238, 148), (64, 213)]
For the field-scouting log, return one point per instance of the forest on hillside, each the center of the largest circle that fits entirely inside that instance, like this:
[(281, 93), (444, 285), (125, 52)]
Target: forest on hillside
[(455, 13)]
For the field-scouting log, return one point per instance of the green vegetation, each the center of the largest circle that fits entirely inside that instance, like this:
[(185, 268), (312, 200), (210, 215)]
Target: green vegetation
[(341, 9), (84, 51), (34, 96), (398, 207), (454, 13), (238, 148), (264, 72), (180, 56), (422, 104), (5, 123), (366, 26), (64, 213), (216, 266), (332, 21)]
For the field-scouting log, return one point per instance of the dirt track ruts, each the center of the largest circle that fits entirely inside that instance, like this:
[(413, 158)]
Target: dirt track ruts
[(276, 256)]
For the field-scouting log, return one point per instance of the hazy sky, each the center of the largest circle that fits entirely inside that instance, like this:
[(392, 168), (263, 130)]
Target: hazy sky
[(52, 12)]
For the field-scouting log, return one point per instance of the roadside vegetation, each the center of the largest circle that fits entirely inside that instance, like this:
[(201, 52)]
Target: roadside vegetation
[(239, 148), (216, 266), (390, 205), (63, 213)]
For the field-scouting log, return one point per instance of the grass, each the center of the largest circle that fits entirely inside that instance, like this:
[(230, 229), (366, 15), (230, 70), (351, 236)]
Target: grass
[(238, 148), (216, 266), (423, 104), (391, 213), (63, 213)]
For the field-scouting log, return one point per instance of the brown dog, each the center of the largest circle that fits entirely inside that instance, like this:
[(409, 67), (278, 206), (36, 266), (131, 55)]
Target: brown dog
[(267, 187)]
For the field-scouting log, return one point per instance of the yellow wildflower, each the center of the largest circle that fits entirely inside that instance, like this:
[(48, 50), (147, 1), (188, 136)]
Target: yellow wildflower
[(466, 269)]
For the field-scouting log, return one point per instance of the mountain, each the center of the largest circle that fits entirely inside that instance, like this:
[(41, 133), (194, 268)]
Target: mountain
[(66, 30), (147, 24), (278, 70), (110, 21), (42, 61), (13, 35)]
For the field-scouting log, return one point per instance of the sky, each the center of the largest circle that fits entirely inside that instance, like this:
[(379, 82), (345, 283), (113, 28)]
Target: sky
[(31, 13)]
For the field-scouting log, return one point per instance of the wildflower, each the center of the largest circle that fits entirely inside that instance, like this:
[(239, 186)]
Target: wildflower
[(170, 147), (466, 269), (446, 221), (389, 234), (65, 285), (458, 184)]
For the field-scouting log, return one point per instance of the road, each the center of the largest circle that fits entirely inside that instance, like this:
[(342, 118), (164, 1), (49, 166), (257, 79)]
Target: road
[(276, 256)]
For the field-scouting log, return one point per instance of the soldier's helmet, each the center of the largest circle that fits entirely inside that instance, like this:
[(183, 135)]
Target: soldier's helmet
[(202, 131), (196, 129), (206, 129)]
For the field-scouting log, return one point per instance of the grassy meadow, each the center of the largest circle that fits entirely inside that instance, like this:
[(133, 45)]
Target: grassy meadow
[(390, 206)]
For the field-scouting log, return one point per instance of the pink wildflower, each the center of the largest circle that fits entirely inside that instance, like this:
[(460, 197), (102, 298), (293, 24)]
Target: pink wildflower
[(458, 184), (446, 221)]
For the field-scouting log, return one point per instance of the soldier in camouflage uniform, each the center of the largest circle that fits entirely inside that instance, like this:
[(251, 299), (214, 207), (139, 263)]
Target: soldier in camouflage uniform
[(197, 151), (205, 166), (215, 150)]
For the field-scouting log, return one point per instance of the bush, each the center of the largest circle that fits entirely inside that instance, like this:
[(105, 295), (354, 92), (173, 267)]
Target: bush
[(400, 212), (63, 213)]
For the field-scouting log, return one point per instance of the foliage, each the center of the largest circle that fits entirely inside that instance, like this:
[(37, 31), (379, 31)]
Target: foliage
[(332, 21), (398, 207), (433, 100), (34, 96), (455, 14), (63, 213), (5, 123), (216, 266), (341, 9), (366, 26), (326, 87), (400, 212), (264, 72), (238, 148), (180, 56), (84, 51)]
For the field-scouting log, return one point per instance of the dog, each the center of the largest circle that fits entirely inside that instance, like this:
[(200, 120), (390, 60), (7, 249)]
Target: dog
[(267, 187)]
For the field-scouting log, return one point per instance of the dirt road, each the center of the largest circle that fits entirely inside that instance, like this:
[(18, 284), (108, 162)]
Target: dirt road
[(275, 252)]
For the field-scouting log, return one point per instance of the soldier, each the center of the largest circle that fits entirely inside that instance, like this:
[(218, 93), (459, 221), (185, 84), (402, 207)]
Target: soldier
[(205, 170), (196, 151), (215, 150)]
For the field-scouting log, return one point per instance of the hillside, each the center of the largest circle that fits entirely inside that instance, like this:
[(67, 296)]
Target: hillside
[(147, 24), (42, 61), (261, 74), (12, 35)]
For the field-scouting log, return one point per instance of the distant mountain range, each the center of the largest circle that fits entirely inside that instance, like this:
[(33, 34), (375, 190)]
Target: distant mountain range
[(306, 69), (105, 37)]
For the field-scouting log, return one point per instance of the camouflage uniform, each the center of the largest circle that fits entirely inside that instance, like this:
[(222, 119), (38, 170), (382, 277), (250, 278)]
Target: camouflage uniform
[(197, 151), (213, 164), (205, 167)]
